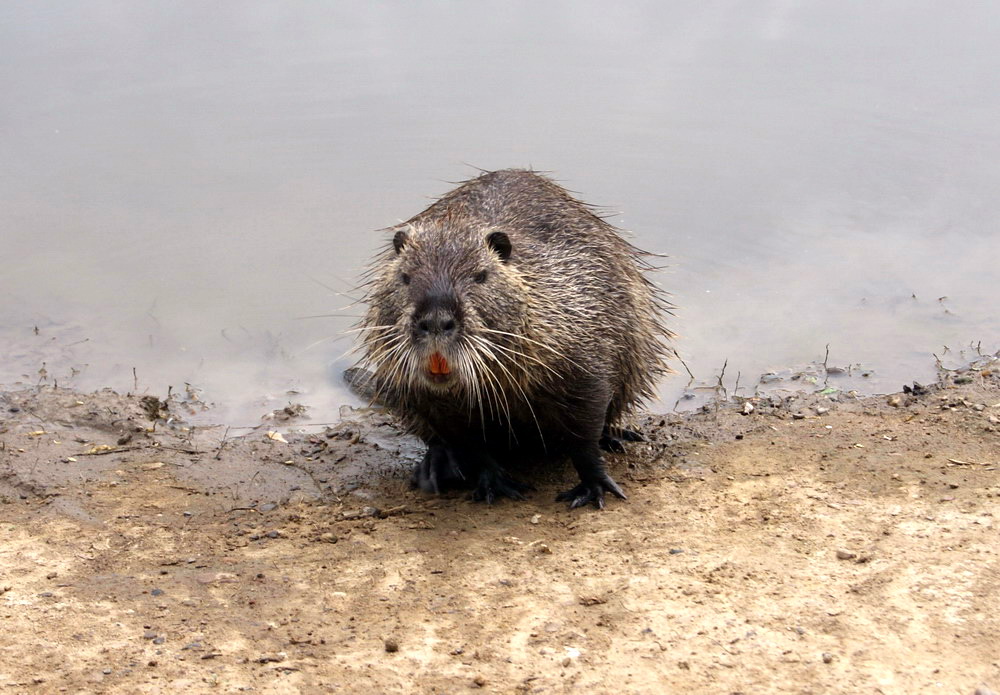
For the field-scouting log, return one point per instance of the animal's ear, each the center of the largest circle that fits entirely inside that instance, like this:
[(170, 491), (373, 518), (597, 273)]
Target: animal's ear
[(399, 241), (499, 242)]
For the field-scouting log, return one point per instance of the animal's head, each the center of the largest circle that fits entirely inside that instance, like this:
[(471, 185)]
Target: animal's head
[(447, 311)]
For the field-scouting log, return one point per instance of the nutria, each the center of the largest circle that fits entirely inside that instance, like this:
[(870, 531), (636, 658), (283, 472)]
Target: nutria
[(506, 320)]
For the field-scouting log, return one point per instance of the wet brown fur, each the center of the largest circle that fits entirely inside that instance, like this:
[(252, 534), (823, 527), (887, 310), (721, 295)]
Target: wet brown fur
[(570, 317)]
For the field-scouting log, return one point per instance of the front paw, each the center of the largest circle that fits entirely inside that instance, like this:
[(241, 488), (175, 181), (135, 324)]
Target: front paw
[(591, 492), (438, 471), (494, 483)]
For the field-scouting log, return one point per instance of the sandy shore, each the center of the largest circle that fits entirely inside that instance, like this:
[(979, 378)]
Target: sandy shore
[(807, 544)]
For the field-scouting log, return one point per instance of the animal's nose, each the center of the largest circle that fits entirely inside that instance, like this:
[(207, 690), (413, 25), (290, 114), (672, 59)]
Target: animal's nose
[(436, 322)]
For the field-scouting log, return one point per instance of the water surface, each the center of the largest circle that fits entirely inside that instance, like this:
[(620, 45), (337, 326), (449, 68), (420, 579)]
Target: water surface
[(183, 182)]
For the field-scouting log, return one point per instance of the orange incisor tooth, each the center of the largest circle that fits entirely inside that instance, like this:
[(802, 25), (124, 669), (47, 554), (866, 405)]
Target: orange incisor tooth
[(438, 364)]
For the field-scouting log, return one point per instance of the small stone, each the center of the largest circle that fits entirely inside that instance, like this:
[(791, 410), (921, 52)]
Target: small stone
[(845, 555), (479, 681), (895, 401), (218, 578), (799, 416), (328, 537), (106, 671), (273, 534), (820, 410), (149, 634), (391, 645), (536, 518), (156, 592), (827, 658), (268, 506), (566, 662), (160, 640), (747, 408), (676, 551)]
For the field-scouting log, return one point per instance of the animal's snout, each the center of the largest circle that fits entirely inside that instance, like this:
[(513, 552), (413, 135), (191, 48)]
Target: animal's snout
[(437, 321)]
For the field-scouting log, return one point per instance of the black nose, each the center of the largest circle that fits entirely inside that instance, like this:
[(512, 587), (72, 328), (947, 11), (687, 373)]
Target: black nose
[(437, 322)]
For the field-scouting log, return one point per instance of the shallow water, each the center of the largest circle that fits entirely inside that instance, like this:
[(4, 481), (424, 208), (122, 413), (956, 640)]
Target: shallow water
[(183, 183)]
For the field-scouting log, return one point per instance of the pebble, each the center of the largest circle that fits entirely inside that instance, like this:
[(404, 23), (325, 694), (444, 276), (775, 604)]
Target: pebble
[(799, 416), (391, 646), (328, 537), (676, 551), (156, 592), (895, 401), (268, 506), (159, 640), (479, 681), (218, 578), (149, 634), (273, 534), (820, 410), (827, 658), (845, 555), (106, 671)]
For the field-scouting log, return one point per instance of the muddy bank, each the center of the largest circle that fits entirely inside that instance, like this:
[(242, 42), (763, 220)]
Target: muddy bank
[(782, 543)]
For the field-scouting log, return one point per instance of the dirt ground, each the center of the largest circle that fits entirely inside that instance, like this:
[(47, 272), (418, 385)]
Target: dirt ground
[(801, 544)]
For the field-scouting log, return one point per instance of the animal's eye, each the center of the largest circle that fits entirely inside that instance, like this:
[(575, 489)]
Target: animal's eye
[(406, 279), (480, 277)]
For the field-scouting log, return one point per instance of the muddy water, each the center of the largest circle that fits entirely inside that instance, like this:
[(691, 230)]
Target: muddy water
[(181, 185)]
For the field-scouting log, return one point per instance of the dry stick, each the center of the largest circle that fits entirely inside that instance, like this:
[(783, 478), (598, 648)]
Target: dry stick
[(678, 356), (135, 381), (826, 370), (721, 375), (218, 454)]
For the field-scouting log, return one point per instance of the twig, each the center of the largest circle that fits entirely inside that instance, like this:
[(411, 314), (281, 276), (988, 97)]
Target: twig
[(722, 374), (688, 369), (826, 370), (218, 454)]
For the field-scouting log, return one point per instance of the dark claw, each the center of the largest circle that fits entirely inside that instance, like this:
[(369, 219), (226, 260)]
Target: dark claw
[(612, 444), (494, 484), (630, 435), (591, 492), (612, 439)]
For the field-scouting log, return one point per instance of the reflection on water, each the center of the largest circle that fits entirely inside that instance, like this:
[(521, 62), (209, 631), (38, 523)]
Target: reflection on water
[(183, 182)]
